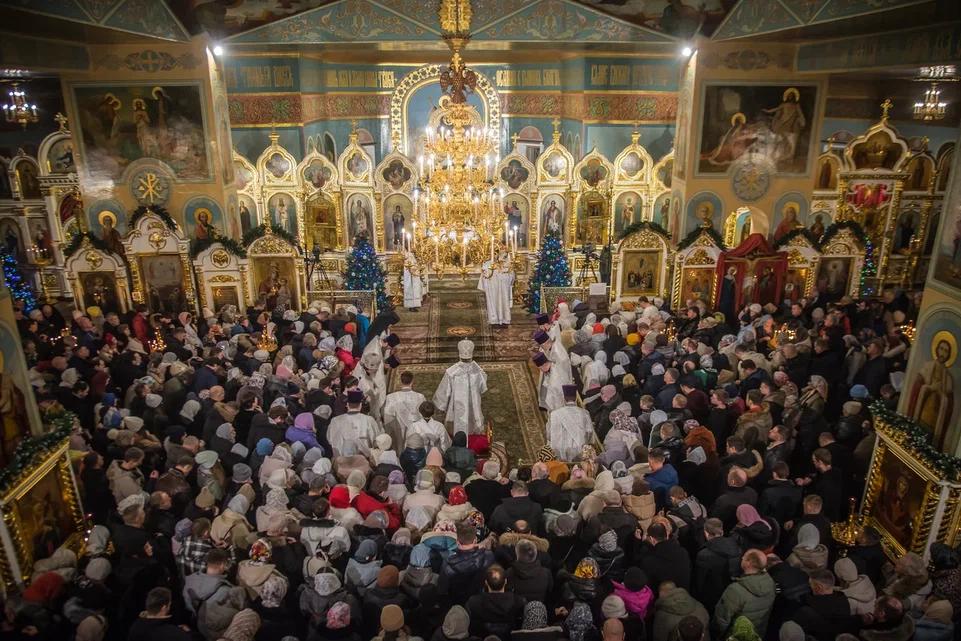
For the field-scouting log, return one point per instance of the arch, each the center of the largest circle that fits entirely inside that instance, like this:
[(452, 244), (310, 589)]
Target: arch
[(431, 73), (330, 147), (744, 221), (530, 134)]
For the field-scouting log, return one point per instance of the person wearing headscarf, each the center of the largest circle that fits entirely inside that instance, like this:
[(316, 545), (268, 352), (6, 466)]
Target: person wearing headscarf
[(536, 626), (809, 554), (322, 595), (569, 427), (580, 623), (583, 585), (363, 568), (458, 457), (753, 531)]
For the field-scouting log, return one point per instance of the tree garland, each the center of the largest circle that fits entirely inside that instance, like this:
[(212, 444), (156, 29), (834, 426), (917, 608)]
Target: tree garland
[(794, 233), (644, 224), (199, 245), (76, 242), (28, 453), (917, 440), (161, 213), (261, 230), (710, 231), (835, 228)]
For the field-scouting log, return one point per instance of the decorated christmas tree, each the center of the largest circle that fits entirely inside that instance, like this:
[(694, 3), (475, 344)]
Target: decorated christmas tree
[(868, 270), (365, 272), (15, 281), (551, 270)]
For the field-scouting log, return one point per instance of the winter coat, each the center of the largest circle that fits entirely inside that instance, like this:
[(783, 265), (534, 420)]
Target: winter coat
[(124, 483), (667, 561), (809, 560), (427, 499), (725, 507), (642, 507), (487, 494), (463, 574), (163, 629), (637, 603), (757, 536), (752, 596), (930, 630), (902, 632), (861, 595), (495, 613), (531, 580), (714, 566), (214, 601), (670, 609), (513, 509)]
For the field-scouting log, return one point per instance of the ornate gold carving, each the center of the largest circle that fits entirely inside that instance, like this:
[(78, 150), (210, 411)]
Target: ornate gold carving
[(157, 239), (796, 258), (220, 258), (222, 278), (271, 245), (94, 259), (698, 257), (644, 239)]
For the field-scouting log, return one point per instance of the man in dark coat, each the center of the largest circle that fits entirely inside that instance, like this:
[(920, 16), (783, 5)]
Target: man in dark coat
[(825, 613), (828, 483), (526, 577), (718, 560), (487, 492), (665, 396), (663, 558), (738, 493), (519, 507), (874, 373), (495, 611), (781, 498), (463, 572), (271, 426)]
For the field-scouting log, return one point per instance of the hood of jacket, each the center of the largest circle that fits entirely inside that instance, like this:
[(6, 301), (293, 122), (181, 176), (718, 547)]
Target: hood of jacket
[(861, 590), (203, 585), (417, 577), (468, 561), (678, 602), (811, 559), (759, 585), (724, 546)]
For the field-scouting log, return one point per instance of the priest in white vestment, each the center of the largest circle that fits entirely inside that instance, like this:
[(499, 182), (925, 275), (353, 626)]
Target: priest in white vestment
[(433, 432), (414, 283), (569, 427), (459, 392), (402, 410), (552, 383), (560, 362), (497, 283), (354, 432), (369, 373)]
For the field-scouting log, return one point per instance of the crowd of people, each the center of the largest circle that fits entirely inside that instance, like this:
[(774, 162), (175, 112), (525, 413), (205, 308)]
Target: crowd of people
[(248, 477)]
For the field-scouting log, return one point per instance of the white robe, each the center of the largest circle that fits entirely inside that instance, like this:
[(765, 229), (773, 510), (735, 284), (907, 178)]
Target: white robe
[(373, 384), (552, 388), (414, 290), (433, 432), (560, 366), (497, 285), (352, 433), (569, 429), (459, 396), (401, 410)]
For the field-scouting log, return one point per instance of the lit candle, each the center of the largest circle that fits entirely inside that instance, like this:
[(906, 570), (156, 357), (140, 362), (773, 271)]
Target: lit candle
[(507, 235), (492, 248), (436, 250), (463, 253), (413, 236)]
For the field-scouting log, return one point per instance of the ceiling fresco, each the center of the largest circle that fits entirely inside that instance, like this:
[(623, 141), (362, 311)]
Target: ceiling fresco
[(678, 18)]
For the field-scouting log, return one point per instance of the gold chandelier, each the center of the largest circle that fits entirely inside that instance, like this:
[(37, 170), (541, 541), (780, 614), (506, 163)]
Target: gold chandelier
[(463, 219), (931, 106), (19, 110)]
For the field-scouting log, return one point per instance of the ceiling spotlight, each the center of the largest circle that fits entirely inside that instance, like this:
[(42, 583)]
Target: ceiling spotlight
[(687, 51), (218, 50)]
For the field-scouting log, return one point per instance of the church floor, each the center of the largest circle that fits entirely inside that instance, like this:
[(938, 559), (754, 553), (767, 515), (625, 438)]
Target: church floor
[(455, 310)]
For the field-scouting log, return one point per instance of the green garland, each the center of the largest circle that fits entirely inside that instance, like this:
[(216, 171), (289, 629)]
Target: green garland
[(161, 213), (73, 246), (917, 440), (833, 230), (260, 230), (794, 233), (710, 231), (644, 224), (197, 245), (31, 450)]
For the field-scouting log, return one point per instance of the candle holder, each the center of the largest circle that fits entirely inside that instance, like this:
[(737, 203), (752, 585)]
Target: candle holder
[(847, 532)]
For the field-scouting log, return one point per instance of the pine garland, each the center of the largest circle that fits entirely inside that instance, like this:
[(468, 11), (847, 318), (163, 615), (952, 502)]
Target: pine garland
[(644, 224), (364, 271), (551, 270), (261, 230), (76, 242), (917, 440), (161, 213), (199, 245), (690, 238), (794, 233), (16, 283), (32, 449), (833, 230)]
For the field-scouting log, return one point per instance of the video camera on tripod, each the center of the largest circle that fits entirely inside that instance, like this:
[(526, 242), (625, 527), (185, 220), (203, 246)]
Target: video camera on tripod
[(589, 252)]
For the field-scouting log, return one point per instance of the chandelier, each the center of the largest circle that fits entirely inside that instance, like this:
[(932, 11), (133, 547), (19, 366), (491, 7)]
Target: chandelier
[(464, 223), (19, 110), (931, 107)]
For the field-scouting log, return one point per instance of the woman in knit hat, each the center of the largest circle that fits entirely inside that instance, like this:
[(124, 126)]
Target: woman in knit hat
[(385, 592), (392, 625)]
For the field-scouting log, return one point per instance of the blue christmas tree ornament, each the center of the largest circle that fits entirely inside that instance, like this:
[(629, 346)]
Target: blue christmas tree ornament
[(551, 270), (364, 271), (16, 283)]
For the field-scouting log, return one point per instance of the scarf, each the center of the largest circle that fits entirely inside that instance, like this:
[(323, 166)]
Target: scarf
[(579, 622), (535, 616)]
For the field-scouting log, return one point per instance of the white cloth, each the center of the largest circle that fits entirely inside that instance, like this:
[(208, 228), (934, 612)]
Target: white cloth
[(459, 396), (373, 384), (401, 410), (414, 289), (497, 283), (352, 433), (560, 369), (595, 371), (552, 388), (433, 432), (569, 429)]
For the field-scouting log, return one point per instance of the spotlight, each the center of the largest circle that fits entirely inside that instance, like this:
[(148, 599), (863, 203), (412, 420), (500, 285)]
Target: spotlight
[(218, 50), (686, 51)]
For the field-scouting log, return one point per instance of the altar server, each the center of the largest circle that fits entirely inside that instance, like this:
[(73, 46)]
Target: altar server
[(459, 392), (433, 432), (560, 361), (415, 286), (552, 383), (401, 410), (497, 283), (372, 381), (354, 432), (569, 427)]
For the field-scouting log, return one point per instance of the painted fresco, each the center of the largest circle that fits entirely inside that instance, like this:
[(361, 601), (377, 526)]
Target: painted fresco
[(122, 123), (283, 213), (203, 218), (771, 121), (681, 18), (225, 18), (517, 210), (398, 215)]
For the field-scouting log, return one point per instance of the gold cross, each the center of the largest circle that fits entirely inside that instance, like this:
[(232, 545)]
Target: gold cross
[(514, 140), (61, 120), (557, 124), (353, 126), (885, 108)]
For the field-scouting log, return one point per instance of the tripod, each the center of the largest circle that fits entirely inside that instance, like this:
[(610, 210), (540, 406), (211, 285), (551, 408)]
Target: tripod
[(587, 267)]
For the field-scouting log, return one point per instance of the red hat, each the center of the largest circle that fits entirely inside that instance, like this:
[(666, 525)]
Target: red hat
[(339, 497), (457, 495), (350, 328), (598, 328)]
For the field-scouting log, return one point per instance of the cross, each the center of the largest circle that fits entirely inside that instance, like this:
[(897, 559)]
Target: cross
[(557, 124), (61, 120), (885, 108), (353, 126), (514, 139)]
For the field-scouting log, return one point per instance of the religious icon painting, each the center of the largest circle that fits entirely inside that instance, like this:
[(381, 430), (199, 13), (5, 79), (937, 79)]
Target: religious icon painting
[(834, 275), (320, 219), (317, 174), (10, 235), (278, 165), (203, 218), (697, 283), (60, 157), (592, 219), (517, 211), (514, 174), (896, 510), (795, 281), (908, 224), (360, 220), (556, 166), (640, 269), (276, 281), (947, 251), (100, 289), (398, 216), (826, 178), (593, 172), (282, 213), (665, 173), (224, 295), (18, 411), (631, 165), (627, 210), (932, 385), (28, 180), (661, 216), (553, 216), (40, 236), (247, 213), (243, 175), (944, 169), (357, 165), (396, 174), (163, 280)]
